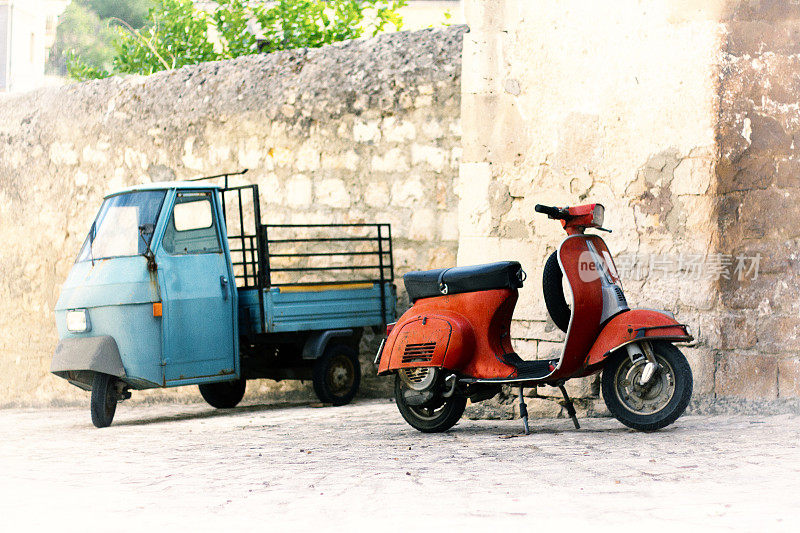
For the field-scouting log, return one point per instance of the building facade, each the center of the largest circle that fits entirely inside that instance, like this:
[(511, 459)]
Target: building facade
[(27, 32)]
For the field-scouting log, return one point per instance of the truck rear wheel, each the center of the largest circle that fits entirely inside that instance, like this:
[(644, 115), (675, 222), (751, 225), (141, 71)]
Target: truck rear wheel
[(337, 375), (223, 395)]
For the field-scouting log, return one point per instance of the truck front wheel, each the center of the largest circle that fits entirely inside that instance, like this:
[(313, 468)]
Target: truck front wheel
[(104, 399), (337, 375)]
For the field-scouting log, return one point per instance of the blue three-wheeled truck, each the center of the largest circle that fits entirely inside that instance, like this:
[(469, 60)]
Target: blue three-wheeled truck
[(180, 283)]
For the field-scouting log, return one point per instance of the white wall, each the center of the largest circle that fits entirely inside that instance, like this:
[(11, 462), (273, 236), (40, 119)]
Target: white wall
[(24, 42)]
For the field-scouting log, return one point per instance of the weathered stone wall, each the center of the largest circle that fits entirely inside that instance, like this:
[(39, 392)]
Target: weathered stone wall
[(366, 131), (680, 118), (758, 175)]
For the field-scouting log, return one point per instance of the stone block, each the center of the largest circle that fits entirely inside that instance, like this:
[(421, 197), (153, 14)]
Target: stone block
[(483, 55), (536, 329), (701, 361), (307, 158), (526, 348), (347, 160), (432, 129), (540, 408), (333, 192), (299, 191), (737, 331), (394, 160), (789, 378), (440, 257), (377, 195), (431, 155), (693, 176), (448, 226), (406, 193), (94, 155), (367, 131), (398, 131), (587, 387), (777, 332), (549, 350), (250, 152), (456, 155), (423, 225), (63, 154), (474, 217), (750, 376)]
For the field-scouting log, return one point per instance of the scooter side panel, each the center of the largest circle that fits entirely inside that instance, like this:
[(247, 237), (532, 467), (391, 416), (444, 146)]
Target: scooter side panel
[(624, 328), (475, 345), (421, 341), (587, 302)]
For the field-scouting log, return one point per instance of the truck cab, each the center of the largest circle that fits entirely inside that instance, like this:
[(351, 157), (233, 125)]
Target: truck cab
[(163, 295)]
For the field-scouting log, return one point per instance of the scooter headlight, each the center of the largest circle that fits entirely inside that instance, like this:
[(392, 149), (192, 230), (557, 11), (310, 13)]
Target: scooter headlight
[(78, 321), (598, 214)]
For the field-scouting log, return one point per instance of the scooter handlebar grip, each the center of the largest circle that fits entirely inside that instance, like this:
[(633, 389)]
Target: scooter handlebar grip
[(552, 212)]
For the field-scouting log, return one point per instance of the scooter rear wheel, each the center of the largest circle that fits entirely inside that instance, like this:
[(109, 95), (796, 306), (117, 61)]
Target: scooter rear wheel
[(435, 416), (657, 404)]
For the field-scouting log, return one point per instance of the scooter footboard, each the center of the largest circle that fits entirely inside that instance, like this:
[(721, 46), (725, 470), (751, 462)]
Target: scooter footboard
[(636, 325)]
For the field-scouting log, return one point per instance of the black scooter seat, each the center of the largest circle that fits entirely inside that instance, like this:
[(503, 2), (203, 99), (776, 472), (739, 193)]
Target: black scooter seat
[(441, 281)]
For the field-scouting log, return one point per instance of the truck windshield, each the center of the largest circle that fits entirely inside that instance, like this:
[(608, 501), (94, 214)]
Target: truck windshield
[(124, 226)]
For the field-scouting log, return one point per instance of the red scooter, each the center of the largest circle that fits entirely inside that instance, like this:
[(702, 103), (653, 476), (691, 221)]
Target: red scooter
[(454, 343)]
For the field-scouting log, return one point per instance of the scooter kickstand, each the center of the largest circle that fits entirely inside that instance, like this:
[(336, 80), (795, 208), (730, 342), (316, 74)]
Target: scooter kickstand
[(523, 412), (570, 408)]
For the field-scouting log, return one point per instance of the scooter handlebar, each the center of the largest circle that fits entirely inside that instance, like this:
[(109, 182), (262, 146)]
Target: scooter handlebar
[(552, 212)]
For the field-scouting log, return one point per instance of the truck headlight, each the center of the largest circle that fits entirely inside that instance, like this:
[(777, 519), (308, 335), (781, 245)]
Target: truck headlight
[(78, 321)]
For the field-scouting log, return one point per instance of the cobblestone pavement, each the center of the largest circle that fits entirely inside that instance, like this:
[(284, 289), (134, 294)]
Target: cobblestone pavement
[(196, 469)]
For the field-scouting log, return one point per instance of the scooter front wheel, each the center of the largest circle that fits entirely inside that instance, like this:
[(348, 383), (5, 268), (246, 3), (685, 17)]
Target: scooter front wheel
[(437, 415), (656, 403)]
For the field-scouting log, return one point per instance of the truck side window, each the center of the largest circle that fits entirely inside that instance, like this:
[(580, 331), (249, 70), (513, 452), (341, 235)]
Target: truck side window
[(191, 228)]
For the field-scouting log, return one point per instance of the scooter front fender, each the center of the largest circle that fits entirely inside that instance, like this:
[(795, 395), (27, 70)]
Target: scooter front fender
[(633, 326)]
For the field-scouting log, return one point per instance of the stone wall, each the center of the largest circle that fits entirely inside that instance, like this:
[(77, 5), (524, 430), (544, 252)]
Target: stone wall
[(366, 131), (679, 117), (758, 175)]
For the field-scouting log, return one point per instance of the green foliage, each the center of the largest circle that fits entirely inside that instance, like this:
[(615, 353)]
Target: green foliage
[(313, 23), (134, 12), (83, 71), (178, 34), (81, 32), (231, 19)]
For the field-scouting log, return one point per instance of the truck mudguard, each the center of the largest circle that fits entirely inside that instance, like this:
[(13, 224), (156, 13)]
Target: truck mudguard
[(80, 354), (316, 343)]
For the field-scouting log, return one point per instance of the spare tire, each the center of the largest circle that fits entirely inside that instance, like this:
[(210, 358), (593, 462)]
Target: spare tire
[(554, 293)]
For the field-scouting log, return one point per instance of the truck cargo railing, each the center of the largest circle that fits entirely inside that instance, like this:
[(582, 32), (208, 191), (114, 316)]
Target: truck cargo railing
[(297, 255), (307, 255)]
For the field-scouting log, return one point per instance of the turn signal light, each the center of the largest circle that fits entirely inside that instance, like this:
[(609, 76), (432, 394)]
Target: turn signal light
[(156, 309), (389, 328)]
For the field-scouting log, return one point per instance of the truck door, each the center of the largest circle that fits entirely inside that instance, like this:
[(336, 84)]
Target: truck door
[(198, 291)]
